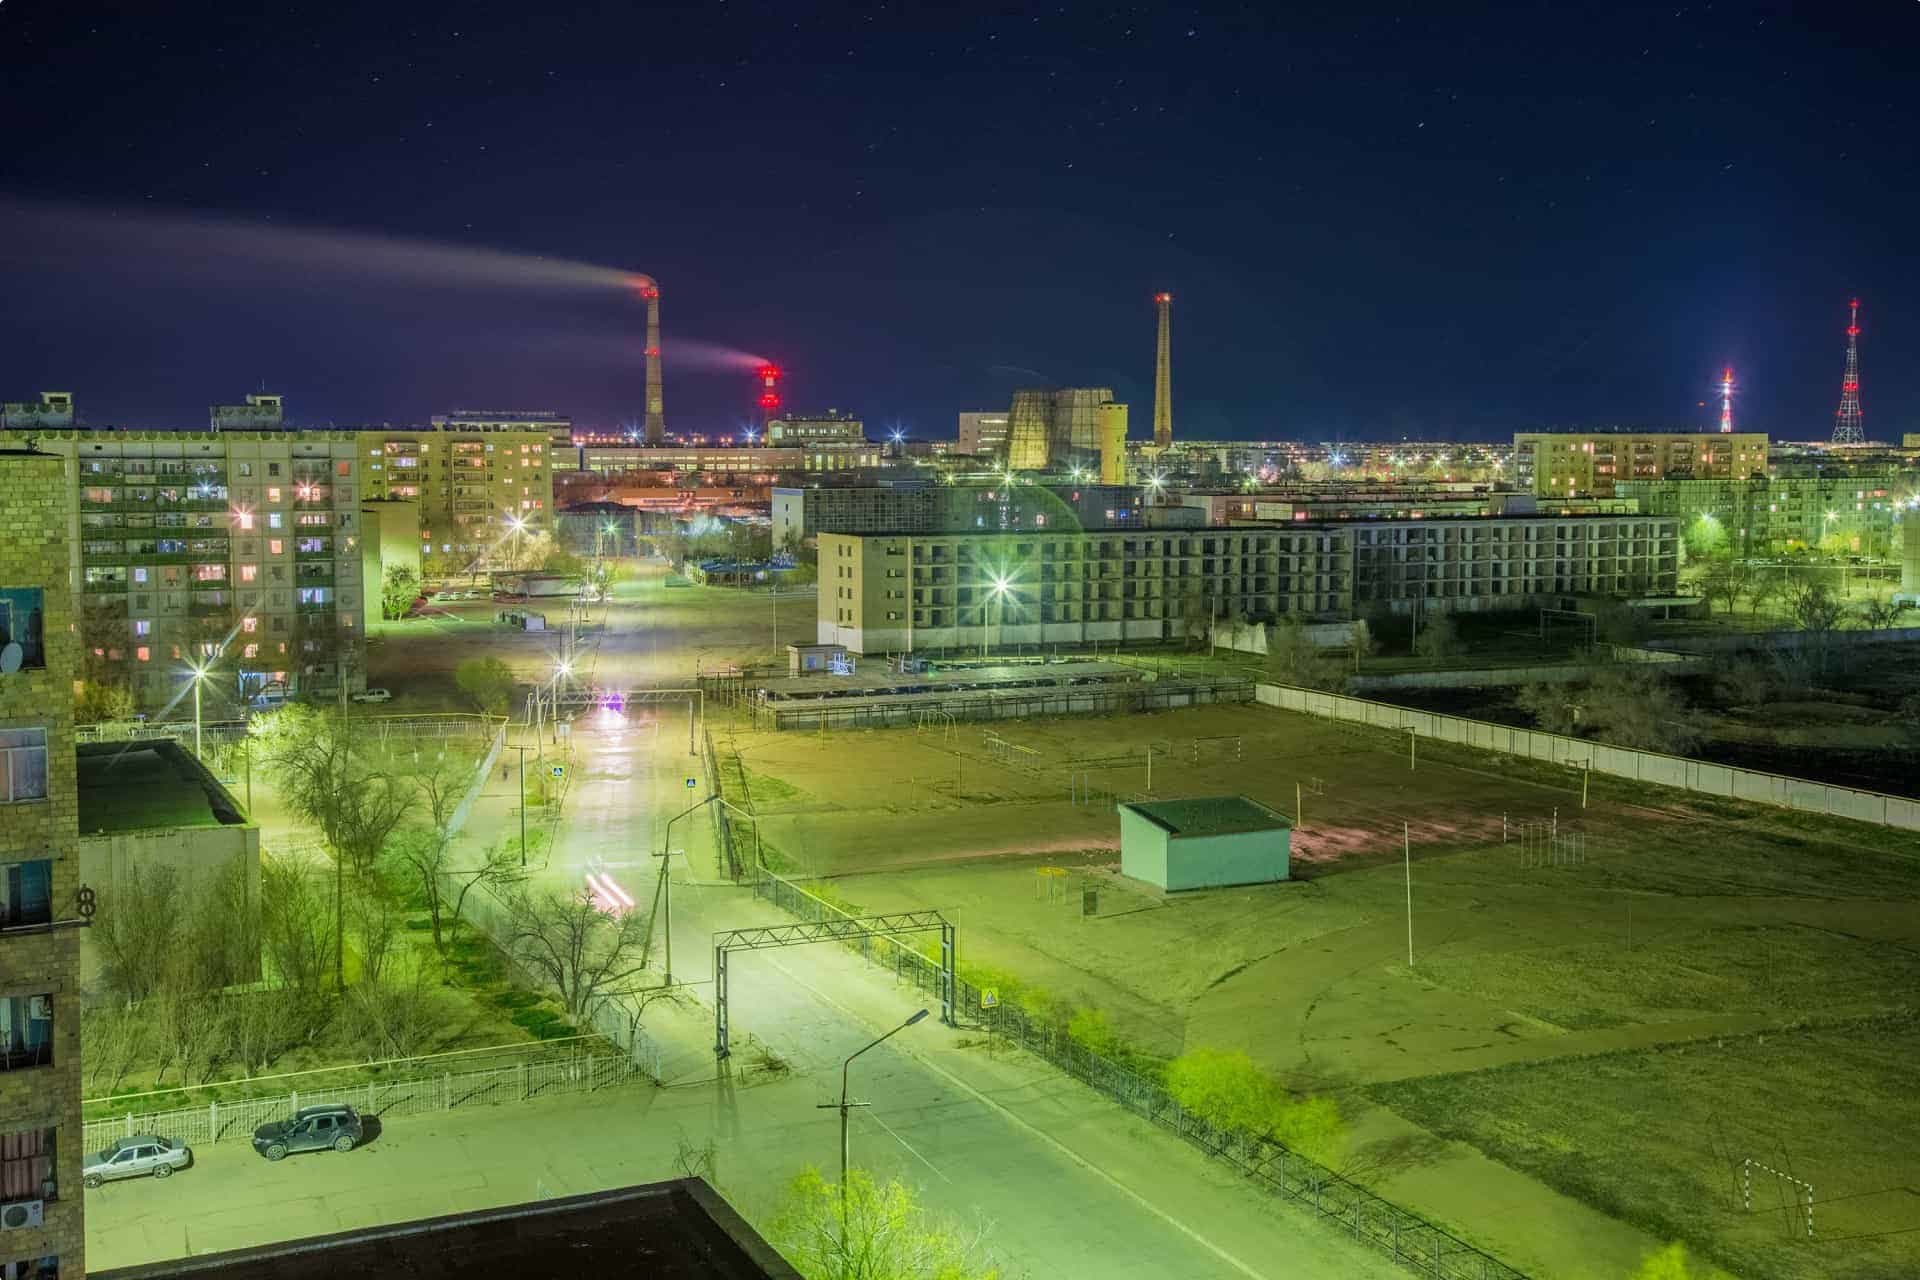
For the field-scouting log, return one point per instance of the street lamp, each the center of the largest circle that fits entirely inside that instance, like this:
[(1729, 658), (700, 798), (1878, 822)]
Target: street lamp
[(199, 678), (844, 1104), (1001, 585)]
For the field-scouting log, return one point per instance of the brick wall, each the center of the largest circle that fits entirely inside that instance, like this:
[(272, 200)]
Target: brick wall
[(37, 960)]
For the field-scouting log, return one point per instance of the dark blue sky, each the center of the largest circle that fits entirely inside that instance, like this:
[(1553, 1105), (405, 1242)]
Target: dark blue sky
[(1377, 219)]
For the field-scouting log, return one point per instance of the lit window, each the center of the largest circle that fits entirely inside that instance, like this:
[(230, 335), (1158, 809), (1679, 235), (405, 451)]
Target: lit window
[(274, 519), (248, 572), (139, 575), (273, 491), (275, 546), (142, 627), (250, 651), (249, 625), (244, 521), (143, 653)]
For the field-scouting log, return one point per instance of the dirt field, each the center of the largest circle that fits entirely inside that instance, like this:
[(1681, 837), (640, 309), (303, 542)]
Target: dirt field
[(1683, 921)]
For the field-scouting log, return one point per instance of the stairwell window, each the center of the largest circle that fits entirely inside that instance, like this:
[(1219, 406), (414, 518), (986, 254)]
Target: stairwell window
[(23, 765), (27, 1165)]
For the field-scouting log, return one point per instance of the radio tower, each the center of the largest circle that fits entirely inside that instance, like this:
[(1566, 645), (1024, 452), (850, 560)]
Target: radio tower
[(1726, 401), (1846, 423)]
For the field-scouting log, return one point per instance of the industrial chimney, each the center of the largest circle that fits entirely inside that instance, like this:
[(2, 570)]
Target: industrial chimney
[(1163, 373), (656, 426)]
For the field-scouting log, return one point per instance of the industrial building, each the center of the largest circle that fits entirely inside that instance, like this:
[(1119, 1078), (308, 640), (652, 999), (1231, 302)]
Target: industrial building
[(1369, 501), (901, 592), (804, 432), (1066, 429), (727, 460), (921, 506), (1208, 843), (42, 900), (1555, 464)]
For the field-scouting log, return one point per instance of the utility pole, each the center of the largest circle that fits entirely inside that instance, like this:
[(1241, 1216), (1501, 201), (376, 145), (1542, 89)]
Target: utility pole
[(1406, 837), (846, 1104), (523, 803)]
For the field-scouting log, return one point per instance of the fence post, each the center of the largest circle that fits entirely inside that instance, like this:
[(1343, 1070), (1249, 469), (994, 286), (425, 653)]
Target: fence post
[(295, 1095), (446, 1091), (213, 1120), (369, 1108), (523, 1080)]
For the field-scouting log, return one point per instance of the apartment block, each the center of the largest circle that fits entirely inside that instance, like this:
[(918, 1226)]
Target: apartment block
[(184, 546), (726, 460), (42, 905), (474, 486), (898, 592), (1555, 464), (982, 433), (1768, 515)]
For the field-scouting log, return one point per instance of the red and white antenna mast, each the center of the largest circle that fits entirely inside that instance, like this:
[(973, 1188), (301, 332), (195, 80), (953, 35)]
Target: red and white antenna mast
[(1726, 401), (1846, 423)]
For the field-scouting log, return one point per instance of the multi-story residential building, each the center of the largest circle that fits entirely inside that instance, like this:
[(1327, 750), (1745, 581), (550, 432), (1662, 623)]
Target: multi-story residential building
[(831, 426), (260, 413), (53, 411), (190, 545), (899, 592), (41, 901), (557, 427), (477, 488), (1560, 464), (1765, 516), (920, 506), (982, 434), (1371, 501)]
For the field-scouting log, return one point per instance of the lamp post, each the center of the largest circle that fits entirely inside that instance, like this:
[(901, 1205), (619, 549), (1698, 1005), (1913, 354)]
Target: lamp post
[(844, 1104), (666, 879), (995, 593), (199, 678)]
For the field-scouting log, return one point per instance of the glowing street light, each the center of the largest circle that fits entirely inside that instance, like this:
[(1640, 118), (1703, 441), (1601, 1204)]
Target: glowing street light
[(998, 587), (843, 1105), (199, 678)]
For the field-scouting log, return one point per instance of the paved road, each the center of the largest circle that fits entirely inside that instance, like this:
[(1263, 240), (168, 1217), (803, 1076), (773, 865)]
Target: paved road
[(1065, 1183)]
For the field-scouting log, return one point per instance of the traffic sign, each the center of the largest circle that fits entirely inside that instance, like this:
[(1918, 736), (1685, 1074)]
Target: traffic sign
[(989, 999), (692, 783), (559, 771)]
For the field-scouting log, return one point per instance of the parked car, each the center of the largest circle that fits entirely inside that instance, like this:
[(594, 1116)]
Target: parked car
[(310, 1129), (373, 695), (137, 1157)]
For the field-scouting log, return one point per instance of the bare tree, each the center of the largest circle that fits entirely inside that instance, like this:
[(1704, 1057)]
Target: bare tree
[(579, 949), (1878, 615), (374, 920), (1293, 657), (1814, 608), (397, 1016), (141, 925), (296, 925), (1766, 588), (1439, 638)]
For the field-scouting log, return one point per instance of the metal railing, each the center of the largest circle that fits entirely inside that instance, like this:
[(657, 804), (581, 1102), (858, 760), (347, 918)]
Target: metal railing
[(383, 1099), (1399, 1233)]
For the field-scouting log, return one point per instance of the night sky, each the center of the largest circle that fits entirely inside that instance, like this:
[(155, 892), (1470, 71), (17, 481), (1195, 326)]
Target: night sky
[(1377, 220)]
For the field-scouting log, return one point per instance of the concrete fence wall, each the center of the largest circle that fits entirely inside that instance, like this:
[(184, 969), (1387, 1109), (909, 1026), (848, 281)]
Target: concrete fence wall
[(1777, 640), (1699, 776)]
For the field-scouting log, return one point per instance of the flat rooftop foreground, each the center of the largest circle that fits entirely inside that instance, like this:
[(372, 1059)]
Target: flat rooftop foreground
[(145, 785), (680, 1230)]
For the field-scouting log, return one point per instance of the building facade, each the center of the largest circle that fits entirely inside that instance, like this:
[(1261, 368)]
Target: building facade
[(898, 592), (831, 426), (41, 903), (479, 490), (1560, 464), (1769, 516), (53, 411), (982, 434), (725, 460), (187, 547), (800, 513)]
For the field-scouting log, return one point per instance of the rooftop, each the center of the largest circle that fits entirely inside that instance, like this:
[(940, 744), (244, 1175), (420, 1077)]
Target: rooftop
[(679, 1230), (146, 786), (1210, 816)]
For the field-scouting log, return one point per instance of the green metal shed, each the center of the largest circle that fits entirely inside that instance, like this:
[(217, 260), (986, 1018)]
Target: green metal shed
[(1204, 843)]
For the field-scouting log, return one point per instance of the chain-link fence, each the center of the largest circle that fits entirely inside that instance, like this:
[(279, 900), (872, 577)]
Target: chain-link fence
[(420, 1093), (1400, 1234)]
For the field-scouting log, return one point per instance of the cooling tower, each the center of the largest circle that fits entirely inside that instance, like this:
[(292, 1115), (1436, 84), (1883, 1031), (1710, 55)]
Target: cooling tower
[(1113, 444), (1028, 424)]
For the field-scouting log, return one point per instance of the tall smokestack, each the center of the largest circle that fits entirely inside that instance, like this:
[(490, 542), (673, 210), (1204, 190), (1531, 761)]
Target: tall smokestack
[(1163, 373), (656, 427)]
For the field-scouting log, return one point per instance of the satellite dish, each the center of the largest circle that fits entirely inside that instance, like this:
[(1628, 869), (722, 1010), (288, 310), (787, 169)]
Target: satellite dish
[(10, 659)]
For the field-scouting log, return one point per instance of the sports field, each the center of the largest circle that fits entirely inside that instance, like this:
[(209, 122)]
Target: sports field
[(1657, 954)]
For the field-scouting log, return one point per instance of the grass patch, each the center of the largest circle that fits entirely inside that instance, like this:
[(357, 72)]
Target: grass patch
[(1656, 1137)]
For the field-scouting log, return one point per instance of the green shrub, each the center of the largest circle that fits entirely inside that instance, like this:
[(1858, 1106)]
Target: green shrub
[(534, 1019), (515, 999), (555, 1030)]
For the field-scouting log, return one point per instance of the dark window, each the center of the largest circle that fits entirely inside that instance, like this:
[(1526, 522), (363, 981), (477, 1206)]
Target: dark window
[(26, 893), (22, 618)]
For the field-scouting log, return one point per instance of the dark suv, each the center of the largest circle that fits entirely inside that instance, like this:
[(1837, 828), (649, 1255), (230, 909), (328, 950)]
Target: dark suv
[(310, 1129)]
